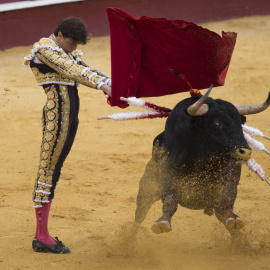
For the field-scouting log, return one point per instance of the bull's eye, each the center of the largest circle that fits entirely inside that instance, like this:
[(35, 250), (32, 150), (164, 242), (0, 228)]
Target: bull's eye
[(217, 124)]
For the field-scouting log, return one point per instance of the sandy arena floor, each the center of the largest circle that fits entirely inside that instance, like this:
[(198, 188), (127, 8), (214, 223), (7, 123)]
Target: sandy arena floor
[(96, 198)]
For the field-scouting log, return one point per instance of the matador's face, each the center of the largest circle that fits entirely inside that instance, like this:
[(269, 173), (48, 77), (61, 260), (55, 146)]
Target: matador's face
[(66, 43)]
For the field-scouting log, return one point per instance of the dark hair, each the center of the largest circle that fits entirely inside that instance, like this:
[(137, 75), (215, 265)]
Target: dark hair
[(74, 28)]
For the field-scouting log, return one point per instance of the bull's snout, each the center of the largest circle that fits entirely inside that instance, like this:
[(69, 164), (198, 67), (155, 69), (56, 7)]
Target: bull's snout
[(242, 154)]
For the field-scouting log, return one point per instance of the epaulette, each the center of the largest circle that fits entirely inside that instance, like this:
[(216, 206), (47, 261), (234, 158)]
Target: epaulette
[(44, 43)]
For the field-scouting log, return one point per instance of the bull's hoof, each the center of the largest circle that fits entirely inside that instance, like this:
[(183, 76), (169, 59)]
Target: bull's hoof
[(161, 227), (234, 224)]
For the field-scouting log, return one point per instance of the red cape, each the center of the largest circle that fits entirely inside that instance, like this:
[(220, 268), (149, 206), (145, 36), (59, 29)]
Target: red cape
[(142, 51)]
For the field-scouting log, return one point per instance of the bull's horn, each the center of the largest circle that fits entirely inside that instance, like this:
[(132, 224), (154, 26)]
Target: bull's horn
[(245, 110), (199, 108)]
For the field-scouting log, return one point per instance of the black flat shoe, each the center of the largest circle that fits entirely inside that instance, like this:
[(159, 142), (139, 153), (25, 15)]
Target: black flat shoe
[(59, 247)]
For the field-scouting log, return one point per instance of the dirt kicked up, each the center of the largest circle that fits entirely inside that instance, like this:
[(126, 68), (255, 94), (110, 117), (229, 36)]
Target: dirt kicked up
[(94, 208)]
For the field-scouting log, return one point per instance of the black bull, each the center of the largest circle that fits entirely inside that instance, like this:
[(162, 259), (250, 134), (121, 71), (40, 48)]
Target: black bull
[(196, 161)]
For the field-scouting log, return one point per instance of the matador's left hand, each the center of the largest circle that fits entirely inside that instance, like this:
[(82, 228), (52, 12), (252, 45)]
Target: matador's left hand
[(106, 89)]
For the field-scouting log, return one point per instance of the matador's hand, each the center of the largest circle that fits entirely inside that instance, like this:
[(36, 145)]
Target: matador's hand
[(106, 89)]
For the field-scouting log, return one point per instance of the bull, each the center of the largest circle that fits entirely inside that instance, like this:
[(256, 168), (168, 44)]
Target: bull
[(196, 162)]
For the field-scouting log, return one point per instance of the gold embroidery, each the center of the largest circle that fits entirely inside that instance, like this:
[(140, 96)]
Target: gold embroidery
[(41, 171), (50, 126), (50, 104), (51, 115), (50, 78), (51, 146), (48, 136), (67, 70), (42, 43), (46, 146), (43, 163), (64, 124), (50, 95), (45, 155)]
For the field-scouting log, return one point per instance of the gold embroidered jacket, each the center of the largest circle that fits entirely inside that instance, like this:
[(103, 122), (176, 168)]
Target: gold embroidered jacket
[(52, 65)]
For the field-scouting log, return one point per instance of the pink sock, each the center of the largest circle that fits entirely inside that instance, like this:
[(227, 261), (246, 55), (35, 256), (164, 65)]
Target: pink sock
[(42, 216)]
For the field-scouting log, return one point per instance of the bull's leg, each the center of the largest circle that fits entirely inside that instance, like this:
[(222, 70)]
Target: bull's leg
[(149, 191), (224, 213), (227, 195), (163, 224), (233, 223)]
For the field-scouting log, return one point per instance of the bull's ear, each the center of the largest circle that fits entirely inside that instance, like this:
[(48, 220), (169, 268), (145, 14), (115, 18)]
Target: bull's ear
[(243, 119)]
